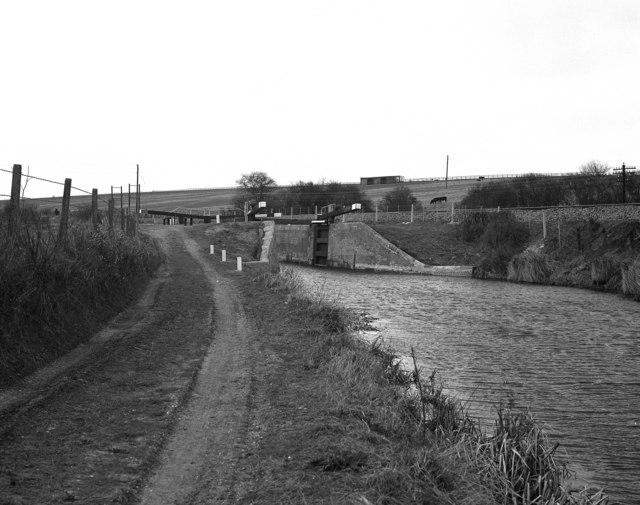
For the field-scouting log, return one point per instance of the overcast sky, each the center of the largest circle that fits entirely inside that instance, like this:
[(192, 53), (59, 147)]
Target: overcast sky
[(200, 92)]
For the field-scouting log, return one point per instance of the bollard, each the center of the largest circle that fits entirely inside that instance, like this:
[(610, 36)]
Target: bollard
[(211, 249), (239, 263), (218, 219), (224, 255)]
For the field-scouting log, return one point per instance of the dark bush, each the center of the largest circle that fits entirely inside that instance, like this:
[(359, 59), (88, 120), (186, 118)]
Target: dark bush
[(504, 230), (539, 190), (501, 235)]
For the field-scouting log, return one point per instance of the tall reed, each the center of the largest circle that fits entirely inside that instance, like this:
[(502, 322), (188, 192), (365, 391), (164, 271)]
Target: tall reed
[(54, 294)]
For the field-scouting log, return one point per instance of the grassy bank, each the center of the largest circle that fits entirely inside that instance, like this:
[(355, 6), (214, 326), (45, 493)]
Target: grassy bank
[(595, 255), (586, 254), (358, 428), (55, 294)]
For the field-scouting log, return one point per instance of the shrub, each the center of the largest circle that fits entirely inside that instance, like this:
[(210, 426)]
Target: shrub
[(504, 230), (501, 236)]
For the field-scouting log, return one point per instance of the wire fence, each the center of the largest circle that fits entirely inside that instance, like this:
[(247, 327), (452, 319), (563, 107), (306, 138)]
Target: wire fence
[(28, 177), (18, 216)]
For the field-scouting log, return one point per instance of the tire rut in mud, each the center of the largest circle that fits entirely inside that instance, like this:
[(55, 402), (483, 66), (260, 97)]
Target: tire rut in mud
[(199, 462)]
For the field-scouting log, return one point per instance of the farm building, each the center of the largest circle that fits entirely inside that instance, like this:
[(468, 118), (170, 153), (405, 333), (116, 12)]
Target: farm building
[(387, 179)]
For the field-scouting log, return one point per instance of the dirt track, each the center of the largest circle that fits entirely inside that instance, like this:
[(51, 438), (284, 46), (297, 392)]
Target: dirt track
[(93, 427), (213, 428)]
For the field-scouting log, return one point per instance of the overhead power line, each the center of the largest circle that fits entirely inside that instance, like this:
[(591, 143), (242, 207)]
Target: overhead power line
[(624, 170)]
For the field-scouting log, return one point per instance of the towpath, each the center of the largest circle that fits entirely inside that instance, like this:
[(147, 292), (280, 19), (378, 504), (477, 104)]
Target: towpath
[(155, 408)]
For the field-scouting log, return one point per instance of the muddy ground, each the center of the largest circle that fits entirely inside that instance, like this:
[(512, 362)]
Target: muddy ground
[(187, 397)]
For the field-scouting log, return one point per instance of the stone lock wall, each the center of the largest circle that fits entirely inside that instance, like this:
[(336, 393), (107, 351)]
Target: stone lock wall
[(357, 246), (293, 243), (352, 246)]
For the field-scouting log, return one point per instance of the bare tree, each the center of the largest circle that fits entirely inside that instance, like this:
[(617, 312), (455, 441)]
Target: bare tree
[(256, 186), (594, 167)]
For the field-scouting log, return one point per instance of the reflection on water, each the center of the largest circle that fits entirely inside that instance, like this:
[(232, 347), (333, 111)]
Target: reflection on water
[(571, 355)]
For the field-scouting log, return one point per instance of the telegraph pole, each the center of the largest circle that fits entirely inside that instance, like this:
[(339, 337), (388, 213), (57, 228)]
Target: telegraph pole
[(446, 177), (137, 191), (623, 170)]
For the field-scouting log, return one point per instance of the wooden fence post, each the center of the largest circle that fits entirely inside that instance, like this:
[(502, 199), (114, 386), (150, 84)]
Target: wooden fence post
[(64, 215), (111, 206), (94, 208), (559, 232), (131, 230), (544, 225), (14, 205)]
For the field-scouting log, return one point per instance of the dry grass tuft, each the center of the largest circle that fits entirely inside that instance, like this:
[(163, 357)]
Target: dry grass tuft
[(631, 279), (605, 270), (530, 266)]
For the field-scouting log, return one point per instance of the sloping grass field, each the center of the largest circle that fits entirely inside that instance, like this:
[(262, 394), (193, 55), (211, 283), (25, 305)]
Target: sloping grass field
[(424, 191)]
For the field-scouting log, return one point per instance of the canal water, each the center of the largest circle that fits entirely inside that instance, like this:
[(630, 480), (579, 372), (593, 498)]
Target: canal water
[(572, 356)]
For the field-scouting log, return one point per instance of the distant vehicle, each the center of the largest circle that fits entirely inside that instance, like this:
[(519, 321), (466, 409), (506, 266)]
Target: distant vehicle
[(438, 199), (481, 178)]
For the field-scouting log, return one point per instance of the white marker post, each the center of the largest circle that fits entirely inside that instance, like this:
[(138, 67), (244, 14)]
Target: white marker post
[(211, 249), (224, 255), (218, 219), (239, 263)]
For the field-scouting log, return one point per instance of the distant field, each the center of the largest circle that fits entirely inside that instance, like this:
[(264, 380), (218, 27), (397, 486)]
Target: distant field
[(155, 200), (424, 191), (196, 199)]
